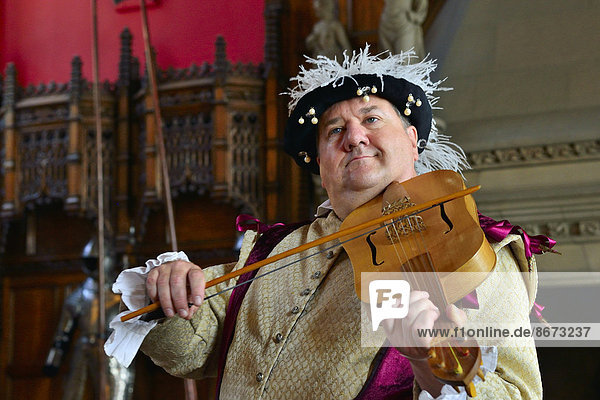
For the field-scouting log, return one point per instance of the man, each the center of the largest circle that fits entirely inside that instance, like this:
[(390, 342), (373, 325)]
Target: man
[(296, 332)]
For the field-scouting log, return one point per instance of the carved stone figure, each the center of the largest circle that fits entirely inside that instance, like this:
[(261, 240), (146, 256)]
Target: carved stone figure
[(328, 36), (400, 26)]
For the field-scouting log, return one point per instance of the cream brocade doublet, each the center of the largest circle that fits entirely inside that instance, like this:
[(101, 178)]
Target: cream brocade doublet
[(298, 330)]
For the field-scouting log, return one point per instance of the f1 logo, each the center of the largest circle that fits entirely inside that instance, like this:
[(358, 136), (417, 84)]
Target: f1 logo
[(388, 299)]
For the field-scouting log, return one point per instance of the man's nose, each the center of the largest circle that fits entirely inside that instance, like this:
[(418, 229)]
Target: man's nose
[(356, 134)]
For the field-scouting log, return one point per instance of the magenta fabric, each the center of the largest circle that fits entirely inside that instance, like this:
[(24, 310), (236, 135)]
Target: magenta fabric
[(245, 222), (498, 230), (392, 377), (470, 301)]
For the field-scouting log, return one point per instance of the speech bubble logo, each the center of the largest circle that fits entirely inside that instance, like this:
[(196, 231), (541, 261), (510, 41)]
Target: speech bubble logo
[(389, 300)]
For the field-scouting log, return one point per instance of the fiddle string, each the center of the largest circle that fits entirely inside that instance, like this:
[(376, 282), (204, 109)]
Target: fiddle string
[(396, 236), (436, 287), (418, 270), (434, 283), (406, 266), (419, 250), (409, 268), (425, 263)]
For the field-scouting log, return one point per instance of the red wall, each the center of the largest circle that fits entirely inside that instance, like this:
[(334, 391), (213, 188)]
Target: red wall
[(42, 36)]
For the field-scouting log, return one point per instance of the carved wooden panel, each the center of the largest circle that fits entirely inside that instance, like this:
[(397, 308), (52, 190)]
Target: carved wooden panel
[(42, 164), (245, 177), (188, 141), (46, 142), (90, 183), (212, 120)]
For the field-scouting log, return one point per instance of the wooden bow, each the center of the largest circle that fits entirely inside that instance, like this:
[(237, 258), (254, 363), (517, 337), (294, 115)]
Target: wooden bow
[(341, 233)]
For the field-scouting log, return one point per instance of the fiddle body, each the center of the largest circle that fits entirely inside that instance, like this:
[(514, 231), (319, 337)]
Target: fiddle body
[(441, 250), (449, 235)]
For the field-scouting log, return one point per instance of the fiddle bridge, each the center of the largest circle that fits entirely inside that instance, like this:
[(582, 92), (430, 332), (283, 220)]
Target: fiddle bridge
[(403, 226)]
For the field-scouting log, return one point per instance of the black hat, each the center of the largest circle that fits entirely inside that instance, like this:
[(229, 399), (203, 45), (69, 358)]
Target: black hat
[(301, 131), (406, 86)]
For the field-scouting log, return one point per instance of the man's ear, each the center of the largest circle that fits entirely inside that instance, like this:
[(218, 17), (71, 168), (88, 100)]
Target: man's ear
[(413, 136), (319, 164)]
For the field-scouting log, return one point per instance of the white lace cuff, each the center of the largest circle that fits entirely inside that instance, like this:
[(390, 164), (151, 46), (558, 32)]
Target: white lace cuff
[(127, 337), (489, 357)]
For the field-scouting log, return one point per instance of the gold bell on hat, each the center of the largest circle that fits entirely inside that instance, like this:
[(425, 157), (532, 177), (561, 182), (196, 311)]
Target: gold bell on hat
[(304, 154), (310, 114)]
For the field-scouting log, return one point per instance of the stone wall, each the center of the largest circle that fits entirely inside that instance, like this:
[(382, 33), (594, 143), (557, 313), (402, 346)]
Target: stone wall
[(526, 109)]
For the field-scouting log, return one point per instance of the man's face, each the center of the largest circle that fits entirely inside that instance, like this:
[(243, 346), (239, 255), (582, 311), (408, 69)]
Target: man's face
[(364, 145)]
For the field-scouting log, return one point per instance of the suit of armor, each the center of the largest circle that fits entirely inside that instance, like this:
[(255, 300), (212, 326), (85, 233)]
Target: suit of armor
[(80, 313)]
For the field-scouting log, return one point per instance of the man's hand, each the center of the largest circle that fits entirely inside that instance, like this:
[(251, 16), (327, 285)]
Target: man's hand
[(402, 334), (169, 283), (422, 314)]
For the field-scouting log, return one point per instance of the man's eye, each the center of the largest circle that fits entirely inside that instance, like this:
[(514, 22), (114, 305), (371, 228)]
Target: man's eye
[(335, 131), (370, 120)]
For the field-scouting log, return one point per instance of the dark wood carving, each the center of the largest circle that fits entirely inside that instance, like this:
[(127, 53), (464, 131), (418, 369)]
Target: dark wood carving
[(47, 146), (188, 145), (214, 133), (223, 125), (42, 164)]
